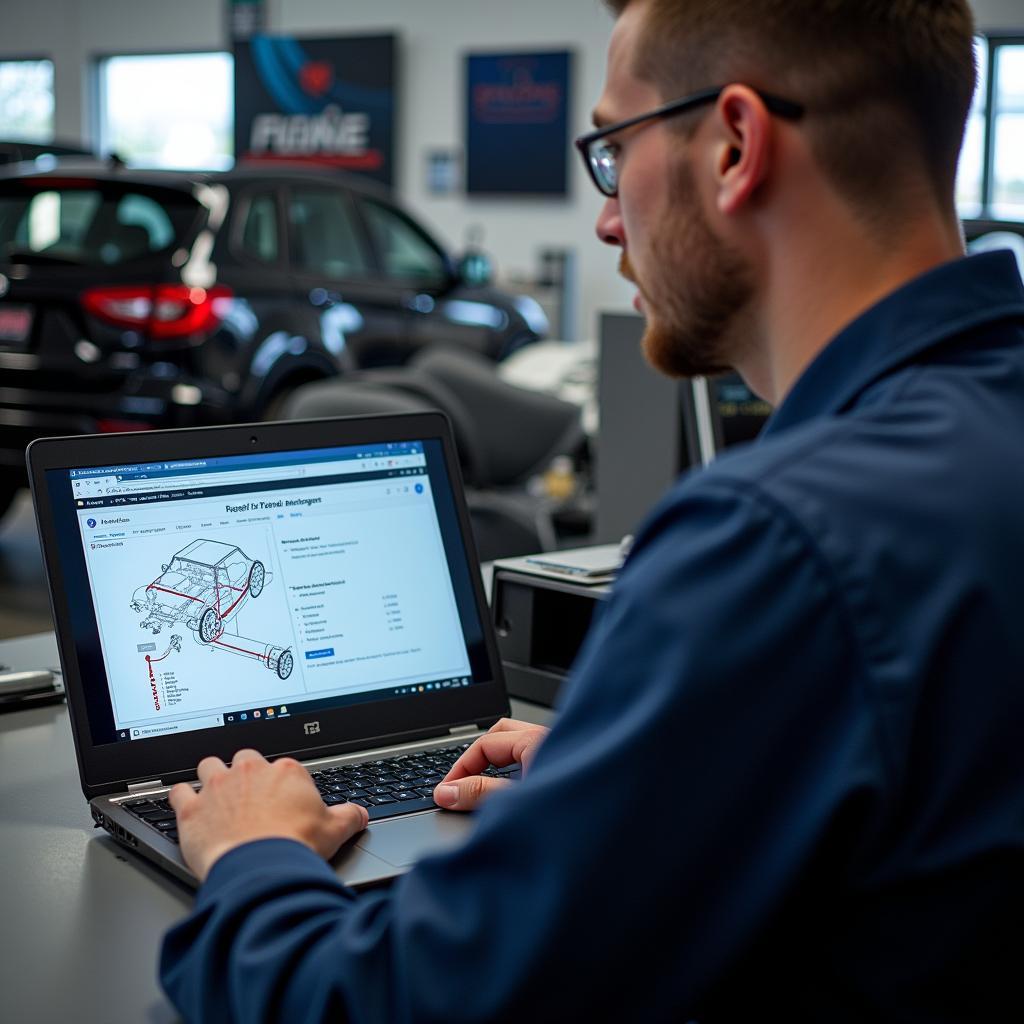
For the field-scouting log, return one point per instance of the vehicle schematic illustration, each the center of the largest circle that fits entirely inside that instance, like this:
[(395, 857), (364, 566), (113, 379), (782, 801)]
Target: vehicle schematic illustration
[(204, 586)]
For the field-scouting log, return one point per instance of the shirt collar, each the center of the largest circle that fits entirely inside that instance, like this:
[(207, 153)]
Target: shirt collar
[(932, 308)]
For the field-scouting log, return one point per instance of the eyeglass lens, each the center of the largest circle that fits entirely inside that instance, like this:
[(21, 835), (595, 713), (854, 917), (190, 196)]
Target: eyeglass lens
[(602, 160)]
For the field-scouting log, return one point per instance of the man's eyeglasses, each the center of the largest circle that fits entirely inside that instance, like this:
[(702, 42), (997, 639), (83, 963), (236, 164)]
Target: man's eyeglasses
[(599, 154)]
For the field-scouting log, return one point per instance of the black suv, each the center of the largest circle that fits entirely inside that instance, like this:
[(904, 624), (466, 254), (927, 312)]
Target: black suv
[(142, 299)]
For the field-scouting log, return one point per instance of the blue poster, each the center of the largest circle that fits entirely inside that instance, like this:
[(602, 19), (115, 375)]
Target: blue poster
[(327, 101), (517, 123)]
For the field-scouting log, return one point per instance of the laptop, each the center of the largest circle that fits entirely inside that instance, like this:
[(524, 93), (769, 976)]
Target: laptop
[(310, 589)]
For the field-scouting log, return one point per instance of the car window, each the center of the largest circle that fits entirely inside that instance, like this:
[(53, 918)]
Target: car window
[(259, 233), (405, 252), (89, 227), (323, 235)]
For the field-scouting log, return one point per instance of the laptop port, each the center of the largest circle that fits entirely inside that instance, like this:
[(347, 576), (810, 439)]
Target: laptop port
[(118, 832)]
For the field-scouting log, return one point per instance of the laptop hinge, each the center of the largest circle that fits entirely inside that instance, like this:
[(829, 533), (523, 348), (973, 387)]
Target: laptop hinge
[(459, 730), (144, 787)]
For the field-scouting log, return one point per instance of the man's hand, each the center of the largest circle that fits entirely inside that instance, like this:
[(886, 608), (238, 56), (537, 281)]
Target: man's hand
[(254, 799), (506, 742)]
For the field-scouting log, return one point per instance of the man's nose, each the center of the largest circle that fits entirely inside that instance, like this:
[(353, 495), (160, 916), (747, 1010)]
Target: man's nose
[(609, 224)]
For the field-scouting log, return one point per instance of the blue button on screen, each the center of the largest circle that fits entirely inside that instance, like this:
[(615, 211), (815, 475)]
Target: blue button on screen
[(326, 652)]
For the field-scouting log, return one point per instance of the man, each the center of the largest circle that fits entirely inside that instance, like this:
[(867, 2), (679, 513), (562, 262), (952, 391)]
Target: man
[(801, 711)]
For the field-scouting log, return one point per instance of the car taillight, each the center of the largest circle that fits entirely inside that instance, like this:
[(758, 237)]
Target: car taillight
[(162, 311), (121, 426)]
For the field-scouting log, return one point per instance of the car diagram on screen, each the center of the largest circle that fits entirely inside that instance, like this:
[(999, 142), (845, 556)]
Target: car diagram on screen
[(204, 586)]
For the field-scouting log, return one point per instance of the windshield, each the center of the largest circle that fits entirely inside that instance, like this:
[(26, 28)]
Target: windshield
[(91, 226)]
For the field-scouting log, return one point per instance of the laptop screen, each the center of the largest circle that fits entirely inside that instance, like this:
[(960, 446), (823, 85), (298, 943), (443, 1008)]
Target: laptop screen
[(218, 592)]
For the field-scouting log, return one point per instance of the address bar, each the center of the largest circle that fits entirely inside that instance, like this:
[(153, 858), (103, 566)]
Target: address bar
[(263, 475), (201, 479)]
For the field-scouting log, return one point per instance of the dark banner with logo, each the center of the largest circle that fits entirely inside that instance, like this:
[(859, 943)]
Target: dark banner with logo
[(517, 123), (329, 101)]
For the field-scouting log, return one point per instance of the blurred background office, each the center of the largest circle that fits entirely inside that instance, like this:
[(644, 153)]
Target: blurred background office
[(402, 224)]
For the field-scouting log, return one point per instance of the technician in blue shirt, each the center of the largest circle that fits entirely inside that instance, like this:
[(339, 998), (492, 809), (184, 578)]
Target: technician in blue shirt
[(800, 719)]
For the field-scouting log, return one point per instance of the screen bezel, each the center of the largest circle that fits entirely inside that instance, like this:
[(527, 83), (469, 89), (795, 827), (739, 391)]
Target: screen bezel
[(109, 768)]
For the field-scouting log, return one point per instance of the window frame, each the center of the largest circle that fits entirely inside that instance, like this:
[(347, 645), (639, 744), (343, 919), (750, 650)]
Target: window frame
[(37, 58), (96, 116), (993, 41)]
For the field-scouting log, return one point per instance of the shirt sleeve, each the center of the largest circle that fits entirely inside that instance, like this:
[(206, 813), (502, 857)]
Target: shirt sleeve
[(714, 740)]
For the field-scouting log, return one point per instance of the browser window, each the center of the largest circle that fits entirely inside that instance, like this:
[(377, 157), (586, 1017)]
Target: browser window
[(251, 587)]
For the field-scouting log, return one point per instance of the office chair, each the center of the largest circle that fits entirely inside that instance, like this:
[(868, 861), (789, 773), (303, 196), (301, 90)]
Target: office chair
[(518, 431)]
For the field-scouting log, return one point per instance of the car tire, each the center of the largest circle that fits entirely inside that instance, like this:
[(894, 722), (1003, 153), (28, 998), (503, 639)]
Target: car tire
[(210, 626), (285, 664), (257, 577)]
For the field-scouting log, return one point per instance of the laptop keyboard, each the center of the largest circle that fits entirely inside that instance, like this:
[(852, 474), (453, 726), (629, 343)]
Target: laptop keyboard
[(386, 788)]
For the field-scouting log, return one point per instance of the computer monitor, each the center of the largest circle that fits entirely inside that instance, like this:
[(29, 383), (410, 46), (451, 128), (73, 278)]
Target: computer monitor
[(737, 414), (652, 428)]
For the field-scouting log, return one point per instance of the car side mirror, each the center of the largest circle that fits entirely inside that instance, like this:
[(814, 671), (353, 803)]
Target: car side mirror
[(475, 268)]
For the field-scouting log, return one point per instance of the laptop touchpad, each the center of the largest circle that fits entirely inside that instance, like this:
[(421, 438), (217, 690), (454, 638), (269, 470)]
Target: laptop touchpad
[(403, 841)]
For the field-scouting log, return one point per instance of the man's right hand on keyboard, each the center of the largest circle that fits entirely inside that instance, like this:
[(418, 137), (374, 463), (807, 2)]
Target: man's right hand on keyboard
[(508, 742)]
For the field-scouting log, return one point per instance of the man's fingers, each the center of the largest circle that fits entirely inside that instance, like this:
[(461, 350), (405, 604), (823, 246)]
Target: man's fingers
[(181, 796), (247, 754), (347, 820), (493, 748), (209, 767), (352, 816), (510, 725), (467, 794)]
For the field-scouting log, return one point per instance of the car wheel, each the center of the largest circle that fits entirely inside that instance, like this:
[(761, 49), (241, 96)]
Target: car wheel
[(285, 664), (257, 577), (210, 626)]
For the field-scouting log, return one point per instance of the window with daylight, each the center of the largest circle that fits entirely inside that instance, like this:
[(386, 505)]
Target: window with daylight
[(1008, 134), (990, 183), (26, 100), (971, 174), (168, 110)]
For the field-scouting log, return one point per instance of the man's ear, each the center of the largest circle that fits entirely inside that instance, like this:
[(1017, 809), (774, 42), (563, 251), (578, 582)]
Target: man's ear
[(744, 149)]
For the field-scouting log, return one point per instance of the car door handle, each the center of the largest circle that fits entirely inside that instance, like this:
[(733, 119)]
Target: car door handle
[(419, 302)]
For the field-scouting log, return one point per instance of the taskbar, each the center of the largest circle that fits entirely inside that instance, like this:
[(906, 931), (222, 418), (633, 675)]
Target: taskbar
[(271, 712), (340, 701)]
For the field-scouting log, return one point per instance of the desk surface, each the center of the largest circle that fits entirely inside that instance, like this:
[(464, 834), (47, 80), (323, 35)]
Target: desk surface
[(82, 918)]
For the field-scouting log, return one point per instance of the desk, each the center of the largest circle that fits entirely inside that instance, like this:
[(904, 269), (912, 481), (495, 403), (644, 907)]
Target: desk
[(82, 918)]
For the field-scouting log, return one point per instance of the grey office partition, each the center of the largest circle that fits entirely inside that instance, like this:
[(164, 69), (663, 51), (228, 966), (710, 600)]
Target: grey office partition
[(648, 430)]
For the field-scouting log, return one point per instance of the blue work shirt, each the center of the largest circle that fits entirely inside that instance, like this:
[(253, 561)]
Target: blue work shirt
[(787, 777)]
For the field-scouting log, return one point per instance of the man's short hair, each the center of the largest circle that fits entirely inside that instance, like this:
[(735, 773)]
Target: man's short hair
[(887, 83)]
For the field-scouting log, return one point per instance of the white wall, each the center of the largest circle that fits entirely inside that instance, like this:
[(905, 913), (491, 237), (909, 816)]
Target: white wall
[(434, 35), (999, 14)]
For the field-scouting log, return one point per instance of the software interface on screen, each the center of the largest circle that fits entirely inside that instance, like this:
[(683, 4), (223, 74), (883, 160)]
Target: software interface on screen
[(233, 589)]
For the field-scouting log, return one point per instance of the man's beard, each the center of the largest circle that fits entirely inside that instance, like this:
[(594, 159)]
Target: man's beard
[(696, 291)]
